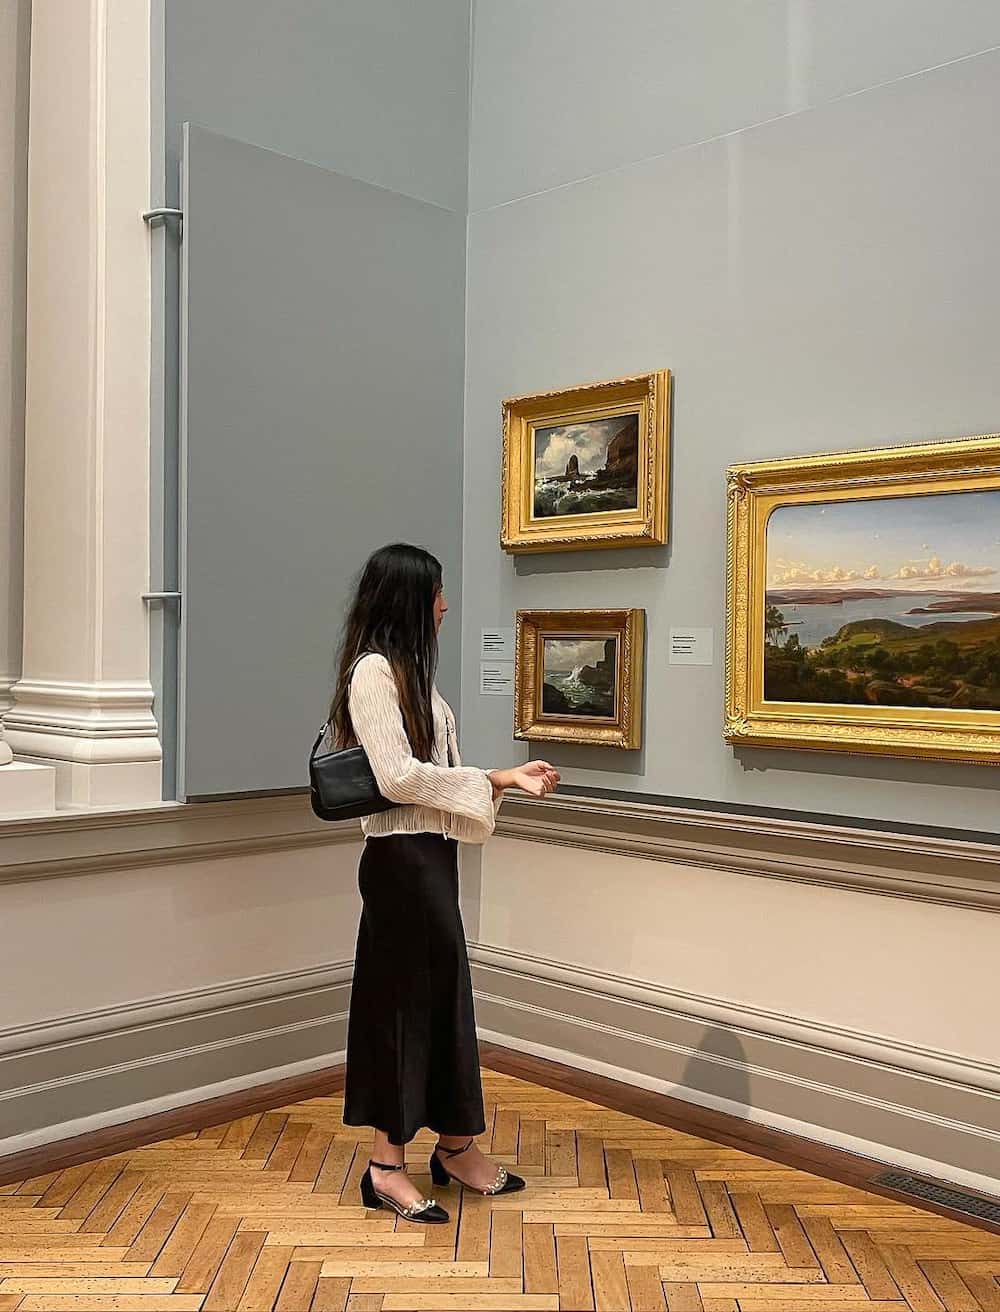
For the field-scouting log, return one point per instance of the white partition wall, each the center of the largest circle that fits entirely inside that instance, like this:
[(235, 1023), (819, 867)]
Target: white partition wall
[(321, 413)]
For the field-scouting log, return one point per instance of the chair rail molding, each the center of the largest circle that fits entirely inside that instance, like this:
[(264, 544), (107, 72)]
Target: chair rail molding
[(141, 838), (930, 868)]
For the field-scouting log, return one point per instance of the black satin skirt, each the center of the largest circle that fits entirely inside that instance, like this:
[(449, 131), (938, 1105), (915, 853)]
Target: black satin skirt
[(412, 1054)]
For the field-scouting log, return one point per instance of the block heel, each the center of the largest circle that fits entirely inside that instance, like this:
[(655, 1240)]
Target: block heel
[(424, 1210), (506, 1182)]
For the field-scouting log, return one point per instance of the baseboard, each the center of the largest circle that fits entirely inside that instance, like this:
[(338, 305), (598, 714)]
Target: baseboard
[(877, 1108), (83, 1073), (935, 1113)]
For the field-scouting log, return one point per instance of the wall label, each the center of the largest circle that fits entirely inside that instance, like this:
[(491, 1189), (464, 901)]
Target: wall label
[(496, 678), (692, 646), (497, 645)]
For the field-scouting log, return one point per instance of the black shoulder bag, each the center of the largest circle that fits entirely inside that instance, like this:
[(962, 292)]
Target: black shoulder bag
[(341, 783)]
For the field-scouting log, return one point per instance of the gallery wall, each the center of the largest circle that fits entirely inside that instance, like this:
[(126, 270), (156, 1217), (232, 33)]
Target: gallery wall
[(376, 90), (15, 35), (791, 211)]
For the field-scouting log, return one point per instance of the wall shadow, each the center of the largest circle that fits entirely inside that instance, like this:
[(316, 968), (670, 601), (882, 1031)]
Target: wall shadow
[(719, 1068), (945, 774), (622, 558), (569, 756)]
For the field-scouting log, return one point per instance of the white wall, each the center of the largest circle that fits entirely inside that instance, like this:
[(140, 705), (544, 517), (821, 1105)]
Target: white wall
[(821, 280), (140, 935), (821, 955), (15, 26)]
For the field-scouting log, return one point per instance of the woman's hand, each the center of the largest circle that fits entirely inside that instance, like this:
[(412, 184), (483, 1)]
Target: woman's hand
[(537, 778)]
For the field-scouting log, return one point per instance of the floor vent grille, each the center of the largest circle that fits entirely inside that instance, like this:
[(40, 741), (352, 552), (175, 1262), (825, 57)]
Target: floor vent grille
[(937, 1193)]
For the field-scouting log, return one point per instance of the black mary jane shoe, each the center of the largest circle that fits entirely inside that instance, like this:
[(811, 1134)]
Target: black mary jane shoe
[(425, 1210), (506, 1182)]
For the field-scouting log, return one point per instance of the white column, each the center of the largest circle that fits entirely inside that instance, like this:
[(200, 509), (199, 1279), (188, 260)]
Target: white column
[(84, 699), (15, 24)]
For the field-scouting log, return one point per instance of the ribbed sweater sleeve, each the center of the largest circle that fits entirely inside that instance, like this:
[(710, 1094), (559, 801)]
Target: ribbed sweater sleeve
[(377, 720)]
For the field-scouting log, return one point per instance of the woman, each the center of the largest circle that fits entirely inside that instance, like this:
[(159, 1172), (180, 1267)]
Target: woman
[(412, 1057)]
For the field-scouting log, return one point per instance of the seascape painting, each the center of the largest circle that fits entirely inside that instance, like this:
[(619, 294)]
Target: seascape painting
[(579, 676), (585, 468), (886, 601)]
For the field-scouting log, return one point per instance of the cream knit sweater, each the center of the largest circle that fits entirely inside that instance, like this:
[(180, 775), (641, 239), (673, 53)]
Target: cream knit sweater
[(438, 798)]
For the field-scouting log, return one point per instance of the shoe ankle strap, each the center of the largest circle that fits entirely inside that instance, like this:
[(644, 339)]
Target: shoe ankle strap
[(386, 1166), (453, 1152)]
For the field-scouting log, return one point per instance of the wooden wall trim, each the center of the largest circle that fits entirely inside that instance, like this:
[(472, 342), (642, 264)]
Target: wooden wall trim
[(943, 870)]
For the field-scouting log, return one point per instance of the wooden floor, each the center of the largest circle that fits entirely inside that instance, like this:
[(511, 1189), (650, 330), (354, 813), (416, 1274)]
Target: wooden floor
[(620, 1213)]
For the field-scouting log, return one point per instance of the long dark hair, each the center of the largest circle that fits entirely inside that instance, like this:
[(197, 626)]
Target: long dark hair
[(392, 613)]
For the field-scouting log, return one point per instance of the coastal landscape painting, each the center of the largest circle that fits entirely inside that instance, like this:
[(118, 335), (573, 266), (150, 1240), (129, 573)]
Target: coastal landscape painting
[(578, 676), (586, 468), (885, 601)]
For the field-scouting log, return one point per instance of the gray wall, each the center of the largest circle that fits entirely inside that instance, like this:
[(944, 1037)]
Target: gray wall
[(322, 417), (823, 277), (15, 31), (376, 90)]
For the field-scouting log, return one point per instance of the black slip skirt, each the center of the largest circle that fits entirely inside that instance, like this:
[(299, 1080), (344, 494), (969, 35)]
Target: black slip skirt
[(412, 1054)]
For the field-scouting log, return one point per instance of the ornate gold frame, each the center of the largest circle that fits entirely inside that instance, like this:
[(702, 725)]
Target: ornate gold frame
[(649, 394), (754, 491), (625, 728)]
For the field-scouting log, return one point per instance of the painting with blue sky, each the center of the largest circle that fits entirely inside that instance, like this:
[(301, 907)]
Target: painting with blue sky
[(885, 600)]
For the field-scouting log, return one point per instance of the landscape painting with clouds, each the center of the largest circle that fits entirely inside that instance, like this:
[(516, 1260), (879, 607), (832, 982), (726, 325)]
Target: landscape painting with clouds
[(891, 601), (578, 676), (586, 467)]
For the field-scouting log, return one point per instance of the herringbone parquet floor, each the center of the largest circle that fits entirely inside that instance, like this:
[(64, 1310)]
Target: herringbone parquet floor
[(620, 1214)]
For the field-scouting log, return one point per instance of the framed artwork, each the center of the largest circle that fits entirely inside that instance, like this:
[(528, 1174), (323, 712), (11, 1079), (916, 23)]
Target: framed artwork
[(587, 467), (864, 602), (578, 676)]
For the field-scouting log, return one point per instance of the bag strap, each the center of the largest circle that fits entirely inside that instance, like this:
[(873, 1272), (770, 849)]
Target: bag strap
[(339, 699), (344, 692), (447, 737)]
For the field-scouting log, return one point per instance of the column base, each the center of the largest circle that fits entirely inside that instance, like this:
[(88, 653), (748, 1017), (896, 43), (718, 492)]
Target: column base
[(101, 739), (26, 789)]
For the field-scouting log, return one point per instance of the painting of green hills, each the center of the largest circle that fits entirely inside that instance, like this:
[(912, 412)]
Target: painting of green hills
[(890, 601)]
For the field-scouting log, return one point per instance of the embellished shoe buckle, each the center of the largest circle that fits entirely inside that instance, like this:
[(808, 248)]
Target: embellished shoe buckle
[(499, 1182)]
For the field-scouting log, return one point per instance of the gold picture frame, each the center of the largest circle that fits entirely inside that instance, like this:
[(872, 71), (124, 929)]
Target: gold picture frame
[(578, 676), (556, 494), (896, 657)]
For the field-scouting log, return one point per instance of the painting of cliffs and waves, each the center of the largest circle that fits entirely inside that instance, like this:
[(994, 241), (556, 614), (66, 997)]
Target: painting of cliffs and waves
[(887, 601), (588, 467), (578, 676)]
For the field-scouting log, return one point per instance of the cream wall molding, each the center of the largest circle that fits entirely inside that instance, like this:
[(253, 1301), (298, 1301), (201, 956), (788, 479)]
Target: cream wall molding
[(106, 721), (77, 1073), (744, 1019), (104, 1021), (800, 1127), (873, 1096), (7, 682), (96, 842), (951, 871)]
